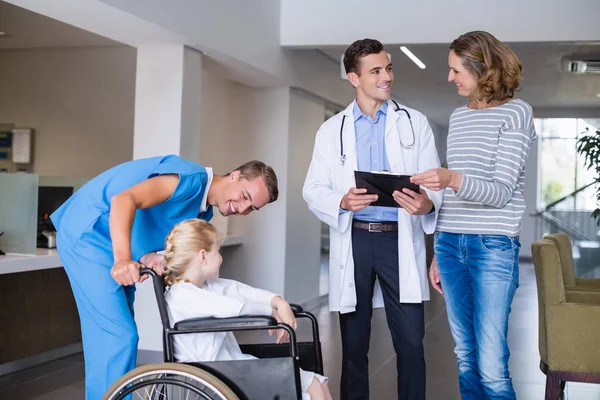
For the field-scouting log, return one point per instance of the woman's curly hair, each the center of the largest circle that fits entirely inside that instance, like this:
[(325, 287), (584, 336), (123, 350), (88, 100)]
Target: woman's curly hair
[(494, 65)]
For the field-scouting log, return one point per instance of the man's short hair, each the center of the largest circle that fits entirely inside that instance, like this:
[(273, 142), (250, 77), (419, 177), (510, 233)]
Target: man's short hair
[(358, 50), (255, 169)]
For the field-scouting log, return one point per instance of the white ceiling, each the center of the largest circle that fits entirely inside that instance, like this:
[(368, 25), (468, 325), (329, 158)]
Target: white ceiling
[(549, 90), (27, 29), (544, 85)]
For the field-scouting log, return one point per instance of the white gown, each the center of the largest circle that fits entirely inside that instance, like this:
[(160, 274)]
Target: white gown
[(219, 298)]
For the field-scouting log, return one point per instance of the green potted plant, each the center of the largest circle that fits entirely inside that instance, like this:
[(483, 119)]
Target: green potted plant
[(589, 147)]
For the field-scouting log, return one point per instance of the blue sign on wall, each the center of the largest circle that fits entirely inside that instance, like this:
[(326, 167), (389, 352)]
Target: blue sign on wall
[(5, 139)]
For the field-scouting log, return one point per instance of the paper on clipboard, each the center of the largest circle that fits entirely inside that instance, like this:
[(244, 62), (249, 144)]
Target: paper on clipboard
[(383, 184), (21, 146)]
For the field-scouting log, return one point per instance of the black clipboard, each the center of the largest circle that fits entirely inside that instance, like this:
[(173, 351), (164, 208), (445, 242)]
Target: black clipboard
[(383, 185)]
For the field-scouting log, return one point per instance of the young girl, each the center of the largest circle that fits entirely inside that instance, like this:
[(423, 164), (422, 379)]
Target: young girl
[(195, 291)]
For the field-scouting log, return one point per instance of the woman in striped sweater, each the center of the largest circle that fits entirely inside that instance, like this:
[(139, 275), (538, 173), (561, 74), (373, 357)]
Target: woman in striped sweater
[(477, 235)]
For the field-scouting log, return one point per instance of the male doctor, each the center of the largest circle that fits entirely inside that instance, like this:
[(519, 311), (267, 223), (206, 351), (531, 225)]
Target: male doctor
[(366, 242)]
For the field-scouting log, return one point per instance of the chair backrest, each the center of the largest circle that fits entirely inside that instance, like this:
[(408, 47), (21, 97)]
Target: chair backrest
[(159, 292), (562, 241), (549, 282)]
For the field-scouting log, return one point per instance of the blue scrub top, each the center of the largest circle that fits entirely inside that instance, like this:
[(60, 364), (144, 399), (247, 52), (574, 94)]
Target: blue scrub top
[(82, 221)]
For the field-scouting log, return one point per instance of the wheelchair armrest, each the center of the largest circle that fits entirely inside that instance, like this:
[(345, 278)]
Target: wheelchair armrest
[(212, 324), (296, 308)]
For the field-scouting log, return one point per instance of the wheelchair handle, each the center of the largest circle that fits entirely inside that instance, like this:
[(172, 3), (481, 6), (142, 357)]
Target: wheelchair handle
[(297, 309), (147, 271)]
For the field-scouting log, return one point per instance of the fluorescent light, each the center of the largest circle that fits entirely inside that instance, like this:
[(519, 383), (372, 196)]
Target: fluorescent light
[(598, 95), (2, 33), (414, 58)]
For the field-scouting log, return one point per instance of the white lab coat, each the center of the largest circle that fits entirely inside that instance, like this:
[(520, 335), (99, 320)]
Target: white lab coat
[(327, 181)]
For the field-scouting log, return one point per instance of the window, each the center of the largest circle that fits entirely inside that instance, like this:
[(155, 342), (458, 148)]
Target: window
[(562, 169)]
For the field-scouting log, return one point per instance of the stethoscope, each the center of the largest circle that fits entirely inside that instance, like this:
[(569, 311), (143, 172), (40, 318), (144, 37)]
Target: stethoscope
[(343, 156)]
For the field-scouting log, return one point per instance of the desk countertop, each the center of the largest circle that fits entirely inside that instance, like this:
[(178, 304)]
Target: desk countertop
[(48, 258), (43, 259)]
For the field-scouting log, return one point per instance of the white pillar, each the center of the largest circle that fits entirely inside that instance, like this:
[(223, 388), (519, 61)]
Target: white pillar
[(168, 89), (167, 121)]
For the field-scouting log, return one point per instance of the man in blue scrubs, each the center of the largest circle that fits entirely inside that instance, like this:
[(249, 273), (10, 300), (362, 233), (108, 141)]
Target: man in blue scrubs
[(124, 214)]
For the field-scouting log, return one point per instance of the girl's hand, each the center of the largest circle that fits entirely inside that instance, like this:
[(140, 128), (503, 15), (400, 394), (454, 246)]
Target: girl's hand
[(155, 261), (282, 313)]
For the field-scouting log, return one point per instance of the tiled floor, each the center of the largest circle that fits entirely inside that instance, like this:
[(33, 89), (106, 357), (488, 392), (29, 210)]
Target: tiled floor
[(64, 379)]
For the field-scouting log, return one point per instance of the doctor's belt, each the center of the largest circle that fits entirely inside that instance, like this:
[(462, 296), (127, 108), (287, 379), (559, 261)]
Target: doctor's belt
[(375, 226)]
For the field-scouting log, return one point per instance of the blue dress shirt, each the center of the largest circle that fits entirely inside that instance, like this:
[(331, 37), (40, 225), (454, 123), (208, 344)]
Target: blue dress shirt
[(370, 151)]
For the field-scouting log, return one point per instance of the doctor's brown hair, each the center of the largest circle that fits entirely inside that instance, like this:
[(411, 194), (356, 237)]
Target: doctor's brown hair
[(358, 50), (254, 169), (494, 65), (183, 243)]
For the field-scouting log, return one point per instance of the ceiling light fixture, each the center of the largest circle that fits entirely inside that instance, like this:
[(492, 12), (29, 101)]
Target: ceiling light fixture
[(414, 58)]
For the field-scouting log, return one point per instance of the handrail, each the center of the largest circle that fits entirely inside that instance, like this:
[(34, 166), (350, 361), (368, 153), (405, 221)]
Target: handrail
[(554, 203), (573, 194), (561, 225)]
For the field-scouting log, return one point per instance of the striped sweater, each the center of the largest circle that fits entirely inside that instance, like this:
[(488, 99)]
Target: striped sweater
[(489, 147)]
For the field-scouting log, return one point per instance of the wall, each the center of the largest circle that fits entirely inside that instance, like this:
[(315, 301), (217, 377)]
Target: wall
[(282, 241), (303, 229), (528, 232), (79, 101), (255, 22), (218, 116), (240, 123), (440, 134), (262, 133), (250, 46)]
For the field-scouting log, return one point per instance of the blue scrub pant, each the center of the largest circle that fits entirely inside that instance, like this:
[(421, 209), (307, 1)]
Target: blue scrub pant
[(108, 329)]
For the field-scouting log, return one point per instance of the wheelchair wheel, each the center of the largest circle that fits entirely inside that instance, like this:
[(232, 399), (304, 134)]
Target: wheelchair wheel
[(169, 381)]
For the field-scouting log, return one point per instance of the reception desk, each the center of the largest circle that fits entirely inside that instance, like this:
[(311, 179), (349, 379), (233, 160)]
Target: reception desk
[(39, 318)]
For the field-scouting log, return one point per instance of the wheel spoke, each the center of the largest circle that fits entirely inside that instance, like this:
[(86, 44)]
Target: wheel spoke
[(171, 382)]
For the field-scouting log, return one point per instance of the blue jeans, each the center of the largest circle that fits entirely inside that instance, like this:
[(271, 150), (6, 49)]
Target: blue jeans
[(479, 275)]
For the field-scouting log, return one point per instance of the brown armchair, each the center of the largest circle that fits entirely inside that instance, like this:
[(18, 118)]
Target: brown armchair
[(562, 241), (568, 325)]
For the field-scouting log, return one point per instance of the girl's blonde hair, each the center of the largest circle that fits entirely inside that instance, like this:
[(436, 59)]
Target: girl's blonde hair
[(183, 243)]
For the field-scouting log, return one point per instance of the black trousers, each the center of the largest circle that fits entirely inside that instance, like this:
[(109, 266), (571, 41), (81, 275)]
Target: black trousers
[(376, 256)]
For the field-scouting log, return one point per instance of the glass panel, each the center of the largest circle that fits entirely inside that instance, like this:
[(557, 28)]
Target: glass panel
[(557, 170), (18, 213), (592, 123), (556, 127)]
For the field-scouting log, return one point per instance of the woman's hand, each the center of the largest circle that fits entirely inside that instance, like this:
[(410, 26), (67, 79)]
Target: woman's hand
[(438, 179), (126, 272), (434, 276), (282, 313)]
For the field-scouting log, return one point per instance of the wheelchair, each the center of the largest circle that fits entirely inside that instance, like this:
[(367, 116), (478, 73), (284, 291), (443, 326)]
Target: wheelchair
[(274, 375)]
